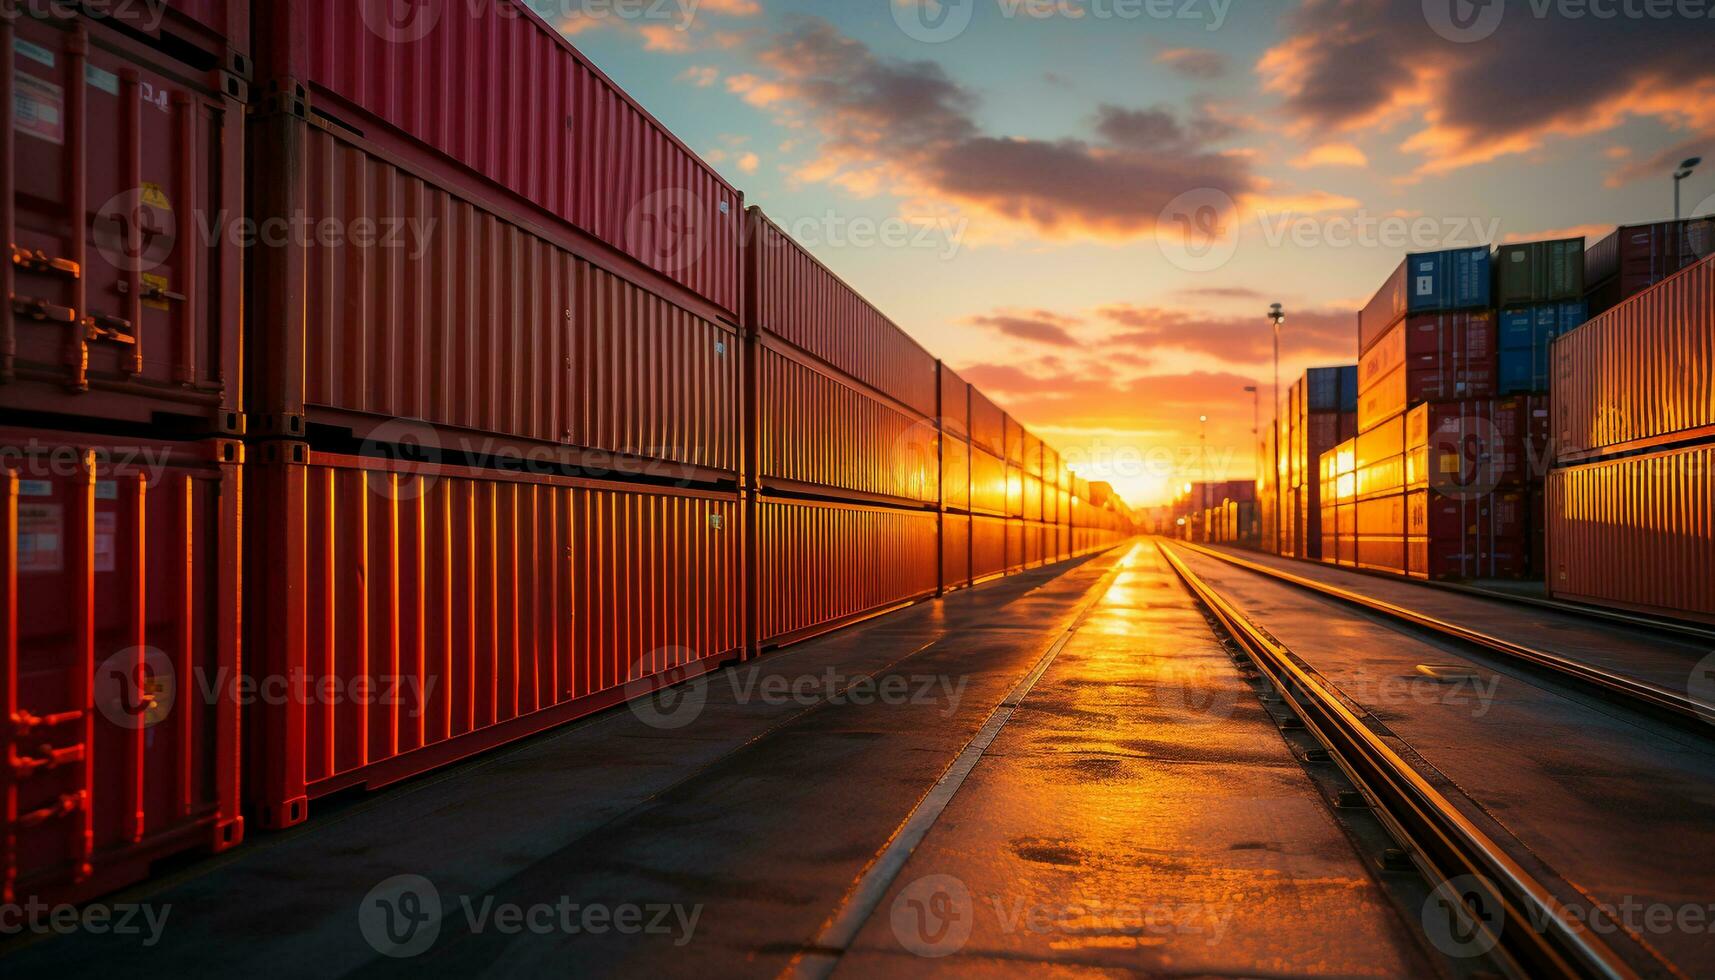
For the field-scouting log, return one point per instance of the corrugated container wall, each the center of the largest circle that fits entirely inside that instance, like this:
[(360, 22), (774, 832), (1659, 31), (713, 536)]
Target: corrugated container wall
[(495, 89), (1637, 257), (823, 564), (796, 298), (498, 604), (120, 307), (119, 655), (485, 328), (1642, 373), (1528, 273), (955, 402), (1638, 533)]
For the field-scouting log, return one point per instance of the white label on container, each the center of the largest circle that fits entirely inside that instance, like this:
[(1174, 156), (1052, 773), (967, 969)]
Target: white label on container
[(106, 525), (38, 108), (106, 490), (102, 79), (35, 488), (34, 52), (1425, 285), (1518, 257), (41, 531)]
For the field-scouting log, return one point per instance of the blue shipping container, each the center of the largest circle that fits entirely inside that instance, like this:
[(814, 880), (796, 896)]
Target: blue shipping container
[(1333, 389), (1526, 335), (1428, 282)]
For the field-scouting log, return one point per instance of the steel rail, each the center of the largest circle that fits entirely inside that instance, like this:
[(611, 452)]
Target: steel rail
[(1639, 693), (1442, 841)]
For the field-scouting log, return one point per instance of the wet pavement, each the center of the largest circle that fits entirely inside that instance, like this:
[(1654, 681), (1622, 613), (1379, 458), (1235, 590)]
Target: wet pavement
[(1136, 812), (1605, 804)]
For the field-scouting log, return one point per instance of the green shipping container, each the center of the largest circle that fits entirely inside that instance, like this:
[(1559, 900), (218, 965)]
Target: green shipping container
[(1539, 272)]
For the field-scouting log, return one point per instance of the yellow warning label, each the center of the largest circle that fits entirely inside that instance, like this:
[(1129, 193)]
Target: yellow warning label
[(156, 197)]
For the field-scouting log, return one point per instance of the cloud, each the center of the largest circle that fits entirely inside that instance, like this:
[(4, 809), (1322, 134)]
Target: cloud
[(1332, 155), (1235, 339), (748, 162), (1222, 292), (908, 128), (1590, 234), (1199, 63), (1039, 326), (699, 76), (1351, 65), (1662, 164)]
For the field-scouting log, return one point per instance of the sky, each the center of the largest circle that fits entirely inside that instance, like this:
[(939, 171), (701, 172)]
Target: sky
[(1086, 206)]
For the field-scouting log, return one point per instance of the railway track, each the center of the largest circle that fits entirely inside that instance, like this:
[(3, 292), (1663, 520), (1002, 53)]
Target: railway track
[(1490, 888), (1633, 692)]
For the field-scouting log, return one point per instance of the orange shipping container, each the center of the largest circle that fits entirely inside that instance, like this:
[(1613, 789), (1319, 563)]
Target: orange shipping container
[(1637, 533), (446, 610), (1641, 374)]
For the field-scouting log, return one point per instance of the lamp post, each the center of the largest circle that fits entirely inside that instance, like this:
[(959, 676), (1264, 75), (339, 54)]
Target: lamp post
[(1685, 170), (1278, 315)]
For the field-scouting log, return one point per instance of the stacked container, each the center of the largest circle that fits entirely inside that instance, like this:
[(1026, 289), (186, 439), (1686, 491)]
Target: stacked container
[(1636, 257), (1339, 489), (123, 134), (498, 412), (1631, 502), (1321, 413), (119, 579)]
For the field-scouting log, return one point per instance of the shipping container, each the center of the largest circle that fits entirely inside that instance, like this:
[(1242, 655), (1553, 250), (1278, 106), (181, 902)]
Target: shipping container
[(201, 33), (493, 97), (955, 411), (1015, 442), (955, 551), (1639, 375), (485, 330), (1459, 345), (1636, 533), (821, 433), (119, 657), (123, 182), (988, 547), (1014, 492), (988, 424), (988, 483), (480, 606), (1455, 279), (955, 473), (1636, 257), (1331, 389), (1531, 273), (800, 300), (1526, 338)]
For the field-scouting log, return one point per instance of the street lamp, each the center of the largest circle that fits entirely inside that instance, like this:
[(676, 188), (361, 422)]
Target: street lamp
[(1277, 314), (1684, 171)]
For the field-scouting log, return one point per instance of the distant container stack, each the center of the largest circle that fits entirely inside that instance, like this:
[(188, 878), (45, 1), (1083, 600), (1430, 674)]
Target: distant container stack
[(1636, 257), (1631, 502), (1321, 413)]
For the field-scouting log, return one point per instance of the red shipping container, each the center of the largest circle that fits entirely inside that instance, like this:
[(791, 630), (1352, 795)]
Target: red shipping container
[(1636, 533), (510, 109), (955, 473), (1457, 559), (1474, 445), (1015, 437), (497, 336), (819, 432), (798, 299), (1634, 258), (1032, 498), (1382, 554), (417, 614), (220, 27), (955, 551), (1478, 520), (119, 658), (1639, 375), (1384, 400), (123, 170), (1014, 491), (988, 548)]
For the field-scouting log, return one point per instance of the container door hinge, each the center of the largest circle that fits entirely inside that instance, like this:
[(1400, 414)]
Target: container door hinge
[(41, 309), (153, 293), (102, 326), (68, 804), (25, 766)]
